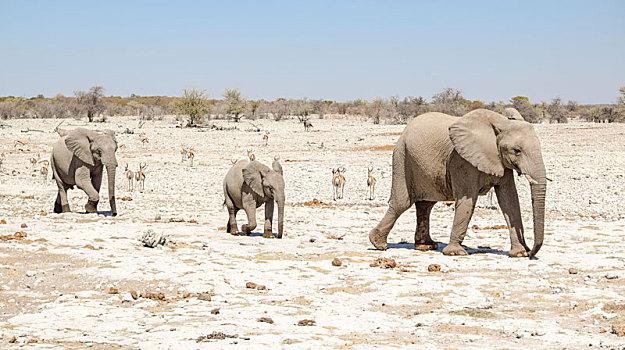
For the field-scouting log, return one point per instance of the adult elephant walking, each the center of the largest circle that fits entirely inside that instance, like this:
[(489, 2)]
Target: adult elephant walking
[(78, 160), (247, 186), (440, 158)]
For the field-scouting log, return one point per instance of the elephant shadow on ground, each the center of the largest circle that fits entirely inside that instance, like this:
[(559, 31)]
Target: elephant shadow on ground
[(107, 213), (441, 246), (253, 234)]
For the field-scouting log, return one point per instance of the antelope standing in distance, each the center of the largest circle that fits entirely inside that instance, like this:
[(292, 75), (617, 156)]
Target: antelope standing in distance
[(185, 153), (306, 122), (144, 140), (44, 170), (21, 143), (140, 177), (341, 172), (338, 182), (130, 177), (371, 183), (2, 156), (33, 162), (251, 155), (266, 139), (191, 155)]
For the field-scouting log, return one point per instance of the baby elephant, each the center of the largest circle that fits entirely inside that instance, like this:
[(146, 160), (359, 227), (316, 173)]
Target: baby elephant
[(247, 186)]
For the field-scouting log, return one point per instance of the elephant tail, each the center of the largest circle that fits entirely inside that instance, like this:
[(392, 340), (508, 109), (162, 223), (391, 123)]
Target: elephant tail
[(54, 174)]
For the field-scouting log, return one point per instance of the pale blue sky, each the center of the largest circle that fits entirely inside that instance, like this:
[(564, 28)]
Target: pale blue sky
[(339, 50)]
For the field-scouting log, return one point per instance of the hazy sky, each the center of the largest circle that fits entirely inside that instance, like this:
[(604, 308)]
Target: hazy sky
[(339, 50)]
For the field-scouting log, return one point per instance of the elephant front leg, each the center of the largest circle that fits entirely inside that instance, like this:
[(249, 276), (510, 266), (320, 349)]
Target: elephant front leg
[(83, 181), (422, 239), (250, 211), (463, 214), (268, 219), (509, 203)]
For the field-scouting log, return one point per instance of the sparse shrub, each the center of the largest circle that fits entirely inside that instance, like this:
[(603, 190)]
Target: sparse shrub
[(449, 101), (194, 104), (527, 110), (557, 112), (90, 102), (235, 103)]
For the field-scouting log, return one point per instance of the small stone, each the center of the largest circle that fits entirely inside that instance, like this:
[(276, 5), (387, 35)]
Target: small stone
[(31, 273), (434, 268), (250, 285), (13, 339), (419, 325), (261, 287), (215, 311), (113, 290), (306, 323), (336, 262), (134, 295), (611, 275), (312, 240), (266, 320), (204, 296), (619, 330), (157, 217), (573, 271), (89, 246), (23, 226)]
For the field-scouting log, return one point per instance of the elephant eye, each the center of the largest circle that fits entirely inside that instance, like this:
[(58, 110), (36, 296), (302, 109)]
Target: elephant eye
[(517, 151)]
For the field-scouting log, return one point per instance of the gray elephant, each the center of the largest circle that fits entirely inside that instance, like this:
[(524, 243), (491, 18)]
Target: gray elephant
[(441, 158), (78, 160), (247, 186)]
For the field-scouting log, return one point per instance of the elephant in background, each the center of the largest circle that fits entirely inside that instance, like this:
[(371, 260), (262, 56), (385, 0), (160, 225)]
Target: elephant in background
[(442, 158), (247, 186), (78, 159)]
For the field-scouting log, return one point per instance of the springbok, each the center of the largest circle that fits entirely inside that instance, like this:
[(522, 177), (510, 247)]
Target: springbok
[(20, 142), (33, 162), (140, 177), (144, 140), (44, 170), (191, 155), (185, 153), (266, 139), (130, 177), (341, 172), (251, 155), (371, 183)]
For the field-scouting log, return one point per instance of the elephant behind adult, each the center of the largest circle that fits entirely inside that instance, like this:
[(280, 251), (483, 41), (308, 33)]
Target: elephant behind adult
[(247, 186), (78, 159), (441, 158)]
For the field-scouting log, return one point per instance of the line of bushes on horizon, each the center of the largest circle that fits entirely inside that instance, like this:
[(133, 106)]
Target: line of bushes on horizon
[(197, 106)]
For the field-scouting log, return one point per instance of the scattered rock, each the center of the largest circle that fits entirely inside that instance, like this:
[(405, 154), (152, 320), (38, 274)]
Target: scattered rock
[(134, 295), (127, 199), (151, 239), (619, 330), (306, 322), (384, 263), (23, 225), (266, 320), (113, 290), (13, 339), (89, 246), (17, 236), (157, 217), (290, 341), (312, 240), (434, 268), (3, 222), (215, 336), (261, 287), (336, 262), (204, 296), (215, 311), (611, 276), (419, 324), (573, 271), (250, 285), (154, 296)]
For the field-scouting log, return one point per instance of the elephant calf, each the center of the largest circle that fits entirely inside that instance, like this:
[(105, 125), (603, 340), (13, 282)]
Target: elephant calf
[(443, 158), (78, 159), (247, 186)]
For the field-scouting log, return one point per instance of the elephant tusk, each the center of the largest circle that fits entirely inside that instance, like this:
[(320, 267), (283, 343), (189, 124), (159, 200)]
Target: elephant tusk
[(530, 179)]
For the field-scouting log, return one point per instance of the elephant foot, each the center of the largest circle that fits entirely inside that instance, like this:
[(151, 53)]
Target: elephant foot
[(246, 230), (517, 252), (454, 249), (268, 234), (57, 207), (91, 206), (426, 246), (377, 239)]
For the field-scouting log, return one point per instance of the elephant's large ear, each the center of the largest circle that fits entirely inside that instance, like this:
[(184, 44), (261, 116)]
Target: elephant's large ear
[(79, 142), (253, 176), (475, 138)]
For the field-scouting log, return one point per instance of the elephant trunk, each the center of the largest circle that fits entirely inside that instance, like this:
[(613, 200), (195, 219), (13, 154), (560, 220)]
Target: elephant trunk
[(110, 172), (280, 203), (538, 188)]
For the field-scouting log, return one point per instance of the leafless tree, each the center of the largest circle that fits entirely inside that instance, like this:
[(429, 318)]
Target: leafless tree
[(90, 102), (557, 112), (450, 101)]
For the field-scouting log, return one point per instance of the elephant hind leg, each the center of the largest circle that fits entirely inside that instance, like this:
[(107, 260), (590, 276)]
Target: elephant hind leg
[(422, 239), (378, 235)]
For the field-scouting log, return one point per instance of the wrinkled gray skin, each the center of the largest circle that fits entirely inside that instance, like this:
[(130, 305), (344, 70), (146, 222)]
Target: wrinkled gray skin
[(443, 158), (247, 186), (78, 159)]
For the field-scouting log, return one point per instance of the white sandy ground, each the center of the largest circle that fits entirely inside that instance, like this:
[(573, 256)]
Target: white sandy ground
[(54, 291)]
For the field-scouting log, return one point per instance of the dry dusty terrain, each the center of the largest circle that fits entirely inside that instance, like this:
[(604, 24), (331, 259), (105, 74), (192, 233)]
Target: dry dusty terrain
[(67, 283)]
